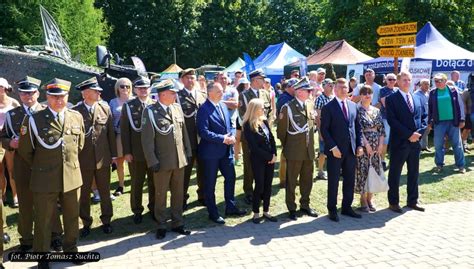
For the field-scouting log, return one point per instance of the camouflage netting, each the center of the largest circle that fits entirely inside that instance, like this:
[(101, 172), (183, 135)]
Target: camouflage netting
[(15, 65)]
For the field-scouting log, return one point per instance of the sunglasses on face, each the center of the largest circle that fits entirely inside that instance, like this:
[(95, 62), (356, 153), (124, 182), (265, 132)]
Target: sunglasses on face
[(391, 79), (366, 94), (125, 86), (438, 80)]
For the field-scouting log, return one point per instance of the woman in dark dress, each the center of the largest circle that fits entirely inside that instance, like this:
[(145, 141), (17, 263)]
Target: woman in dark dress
[(262, 147)]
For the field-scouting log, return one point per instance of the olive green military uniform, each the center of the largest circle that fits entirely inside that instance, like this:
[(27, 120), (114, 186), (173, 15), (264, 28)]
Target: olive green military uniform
[(190, 103), (130, 132), (95, 159), (51, 148), (244, 99), (165, 142), (22, 174), (296, 132)]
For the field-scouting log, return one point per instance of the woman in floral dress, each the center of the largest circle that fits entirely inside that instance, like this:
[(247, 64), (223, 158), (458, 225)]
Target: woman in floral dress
[(373, 134)]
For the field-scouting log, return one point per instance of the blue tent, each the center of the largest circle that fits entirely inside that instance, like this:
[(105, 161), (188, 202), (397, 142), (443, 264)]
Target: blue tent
[(431, 45), (274, 58)]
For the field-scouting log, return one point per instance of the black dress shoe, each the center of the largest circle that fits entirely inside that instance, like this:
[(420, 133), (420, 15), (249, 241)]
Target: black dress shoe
[(257, 220), (395, 208), (43, 265), (160, 233), (181, 230), (248, 199), (57, 245), (310, 212), (218, 220), (333, 216), (85, 231), (25, 248), (107, 229), (292, 215), (270, 218), (137, 218), (236, 212), (6, 238), (416, 207), (350, 213)]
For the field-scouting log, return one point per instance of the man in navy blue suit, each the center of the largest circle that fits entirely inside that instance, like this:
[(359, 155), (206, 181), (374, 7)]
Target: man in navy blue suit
[(407, 118), (216, 151), (341, 134)]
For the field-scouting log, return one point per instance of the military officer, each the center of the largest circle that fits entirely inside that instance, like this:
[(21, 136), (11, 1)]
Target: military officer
[(50, 142), (130, 131), (295, 130), (166, 147), (28, 92), (100, 150), (255, 91), (190, 100)]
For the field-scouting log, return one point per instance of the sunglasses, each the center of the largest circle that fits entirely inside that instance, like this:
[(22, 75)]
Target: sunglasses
[(438, 80), (125, 86), (391, 79), (366, 94)]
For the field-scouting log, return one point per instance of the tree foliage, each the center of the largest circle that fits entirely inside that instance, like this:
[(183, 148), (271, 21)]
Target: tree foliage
[(81, 24)]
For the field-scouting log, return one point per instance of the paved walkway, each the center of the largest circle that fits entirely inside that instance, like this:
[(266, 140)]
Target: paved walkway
[(443, 236)]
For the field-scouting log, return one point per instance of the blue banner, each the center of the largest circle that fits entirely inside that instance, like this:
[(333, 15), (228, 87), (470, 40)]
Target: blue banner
[(249, 66)]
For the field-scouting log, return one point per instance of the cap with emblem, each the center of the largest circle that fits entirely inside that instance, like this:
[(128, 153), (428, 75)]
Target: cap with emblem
[(91, 84), (188, 71), (303, 84), (328, 81), (164, 86), (321, 70), (57, 87), (291, 82), (28, 84), (257, 73), (141, 82)]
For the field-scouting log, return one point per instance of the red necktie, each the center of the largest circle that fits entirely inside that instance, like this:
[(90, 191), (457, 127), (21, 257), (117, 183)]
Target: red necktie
[(409, 104), (344, 110)]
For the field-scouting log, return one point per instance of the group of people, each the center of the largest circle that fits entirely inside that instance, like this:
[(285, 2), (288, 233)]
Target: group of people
[(59, 154)]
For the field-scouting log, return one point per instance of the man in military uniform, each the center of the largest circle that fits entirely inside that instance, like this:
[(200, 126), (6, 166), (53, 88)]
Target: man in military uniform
[(296, 132), (50, 142), (28, 92), (130, 131), (166, 146), (100, 150), (190, 100), (255, 91)]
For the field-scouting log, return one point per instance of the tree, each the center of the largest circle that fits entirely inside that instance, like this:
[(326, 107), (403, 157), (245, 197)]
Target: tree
[(80, 23)]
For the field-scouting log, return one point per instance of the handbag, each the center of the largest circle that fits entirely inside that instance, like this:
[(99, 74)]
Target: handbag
[(376, 182)]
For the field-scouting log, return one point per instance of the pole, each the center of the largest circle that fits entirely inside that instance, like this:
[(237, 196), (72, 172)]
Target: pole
[(174, 55), (395, 66)]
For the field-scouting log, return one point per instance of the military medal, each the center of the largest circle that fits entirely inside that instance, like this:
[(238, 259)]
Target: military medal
[(23, 130), (51, 139)]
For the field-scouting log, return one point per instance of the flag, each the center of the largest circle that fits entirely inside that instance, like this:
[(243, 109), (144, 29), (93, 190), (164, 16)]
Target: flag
[(249, 66), (52, 36)]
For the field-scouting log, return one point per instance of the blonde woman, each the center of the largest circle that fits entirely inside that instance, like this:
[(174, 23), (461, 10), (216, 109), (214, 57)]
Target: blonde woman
[(262, 147), (7, 103), (123, 91)]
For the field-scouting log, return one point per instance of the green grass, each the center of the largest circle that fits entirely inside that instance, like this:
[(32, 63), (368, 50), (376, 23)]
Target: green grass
[(448, 186)]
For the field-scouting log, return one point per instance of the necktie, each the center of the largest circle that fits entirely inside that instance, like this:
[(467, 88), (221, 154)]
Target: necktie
[(344, 110), (168, 110), (409, 104), (221, 113), (59, 119)]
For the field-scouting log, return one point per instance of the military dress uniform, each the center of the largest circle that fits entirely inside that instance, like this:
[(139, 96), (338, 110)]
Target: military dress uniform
[(22, 172), (295, 130), (50, 143), (190, 102), (130, 132), (166, 147), (96, 157), (244, 98)]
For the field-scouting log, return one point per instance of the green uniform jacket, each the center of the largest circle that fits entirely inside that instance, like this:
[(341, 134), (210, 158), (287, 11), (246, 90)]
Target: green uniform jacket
[(189, 105), (166, 140), (100, 145), (298, 146), (57, 169), (131, 138), (248, 95)]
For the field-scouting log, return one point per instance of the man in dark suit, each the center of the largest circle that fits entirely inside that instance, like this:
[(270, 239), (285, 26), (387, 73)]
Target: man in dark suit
[(407, 118), (217, 152), (341, 133)]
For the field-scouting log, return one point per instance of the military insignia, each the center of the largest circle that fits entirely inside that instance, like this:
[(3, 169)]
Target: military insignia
[(68, 131), (47, 116), (13, 113), (156, 112), (51, 139), (23, 130), (131, 106)]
